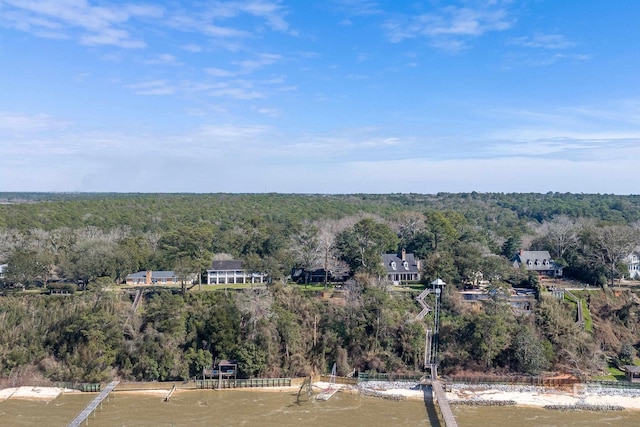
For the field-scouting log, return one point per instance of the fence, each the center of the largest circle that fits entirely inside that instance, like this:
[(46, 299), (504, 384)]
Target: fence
[(88, 387), (243, 383), (376, 376), (613, 384), (339, 380), (536, 381)]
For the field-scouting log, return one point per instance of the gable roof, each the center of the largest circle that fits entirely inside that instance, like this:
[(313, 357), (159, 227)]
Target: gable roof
[(389, 260), (226, 265), (535, 260), (160, 274)]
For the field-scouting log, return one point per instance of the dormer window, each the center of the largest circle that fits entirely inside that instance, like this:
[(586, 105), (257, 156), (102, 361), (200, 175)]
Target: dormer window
[(393, 265), (537, 262), (405, 264), (545, 262), (529, 262)]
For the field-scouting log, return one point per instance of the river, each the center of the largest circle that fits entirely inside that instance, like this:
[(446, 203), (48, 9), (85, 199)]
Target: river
[(271, 409)]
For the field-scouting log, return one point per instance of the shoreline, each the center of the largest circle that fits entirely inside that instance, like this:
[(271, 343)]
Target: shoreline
[(459, 394), (521, 396)]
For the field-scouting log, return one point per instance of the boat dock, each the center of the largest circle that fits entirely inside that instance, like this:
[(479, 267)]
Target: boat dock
[(443, 404), (93, 405)]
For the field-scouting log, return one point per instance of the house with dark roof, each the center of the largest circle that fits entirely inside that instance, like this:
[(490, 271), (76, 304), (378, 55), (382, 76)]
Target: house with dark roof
[(538, 261), (231, 271), (150, 277), (402, 267)]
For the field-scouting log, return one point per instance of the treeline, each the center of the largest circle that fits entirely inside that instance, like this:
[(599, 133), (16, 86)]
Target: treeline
[(281, 331), (285, 331), (97, 240), (83, 237), (158, 212)]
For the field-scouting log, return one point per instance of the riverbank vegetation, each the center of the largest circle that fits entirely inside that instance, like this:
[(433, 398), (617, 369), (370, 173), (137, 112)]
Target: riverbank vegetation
[(95, 240)]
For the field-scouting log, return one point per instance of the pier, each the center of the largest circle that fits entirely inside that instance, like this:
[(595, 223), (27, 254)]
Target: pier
[(443, 404), (93, 405)]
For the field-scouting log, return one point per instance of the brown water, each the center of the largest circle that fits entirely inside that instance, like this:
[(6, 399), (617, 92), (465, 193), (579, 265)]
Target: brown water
[(271, 409)]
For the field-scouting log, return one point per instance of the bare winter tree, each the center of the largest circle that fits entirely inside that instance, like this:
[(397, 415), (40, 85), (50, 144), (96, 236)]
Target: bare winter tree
[(307, 247), (327, 232), (560, 234), (407, 225), (10, 240), (255, 306), (608, 246)]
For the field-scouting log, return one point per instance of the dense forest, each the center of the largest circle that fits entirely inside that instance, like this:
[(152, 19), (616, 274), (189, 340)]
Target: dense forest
[(90, 242)]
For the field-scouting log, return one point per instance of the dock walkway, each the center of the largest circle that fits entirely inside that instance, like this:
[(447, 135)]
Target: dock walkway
[(443, 404), (91, 407)]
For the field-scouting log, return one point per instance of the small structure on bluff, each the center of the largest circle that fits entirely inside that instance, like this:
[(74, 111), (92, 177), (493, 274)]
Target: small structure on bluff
[(632, 373), (226, 369)]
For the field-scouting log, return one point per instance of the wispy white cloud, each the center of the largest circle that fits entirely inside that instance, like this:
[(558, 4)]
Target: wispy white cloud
[(192, 47), (13, 124), (238, 89), (201, 23), (112, 24), (154, 87), (271, 112), (163, 59), (542, 50), (215, 19), (358, 7), (543, 41), (448, 27), (217, 72), (251, 65), (97, 25), (247, 66), (354, 156)]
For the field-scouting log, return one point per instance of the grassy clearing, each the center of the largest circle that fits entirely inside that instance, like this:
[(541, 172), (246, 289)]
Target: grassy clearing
[(586, 314)]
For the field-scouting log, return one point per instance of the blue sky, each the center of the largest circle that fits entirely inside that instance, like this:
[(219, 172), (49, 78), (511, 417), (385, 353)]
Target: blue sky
[(331, 96)]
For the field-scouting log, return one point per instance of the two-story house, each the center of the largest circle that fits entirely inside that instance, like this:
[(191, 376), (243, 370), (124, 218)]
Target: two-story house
[(231, 271), (402, 267), (633, 263), (538, 261)]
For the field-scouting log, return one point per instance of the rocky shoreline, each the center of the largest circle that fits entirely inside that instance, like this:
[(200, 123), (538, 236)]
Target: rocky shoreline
[(584, 407)]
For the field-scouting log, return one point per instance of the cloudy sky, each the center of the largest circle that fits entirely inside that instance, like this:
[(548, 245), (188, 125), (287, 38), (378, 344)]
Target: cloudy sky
[(320, 96)]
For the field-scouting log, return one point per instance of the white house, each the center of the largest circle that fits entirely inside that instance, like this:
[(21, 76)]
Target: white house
[(231, 271), (633, 263)]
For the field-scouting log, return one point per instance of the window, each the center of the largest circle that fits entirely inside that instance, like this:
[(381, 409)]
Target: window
[(393, 265), (405, 264)]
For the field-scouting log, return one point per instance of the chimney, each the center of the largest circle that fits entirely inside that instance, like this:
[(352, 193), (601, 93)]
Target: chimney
[(404, 254), (148, 278)]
